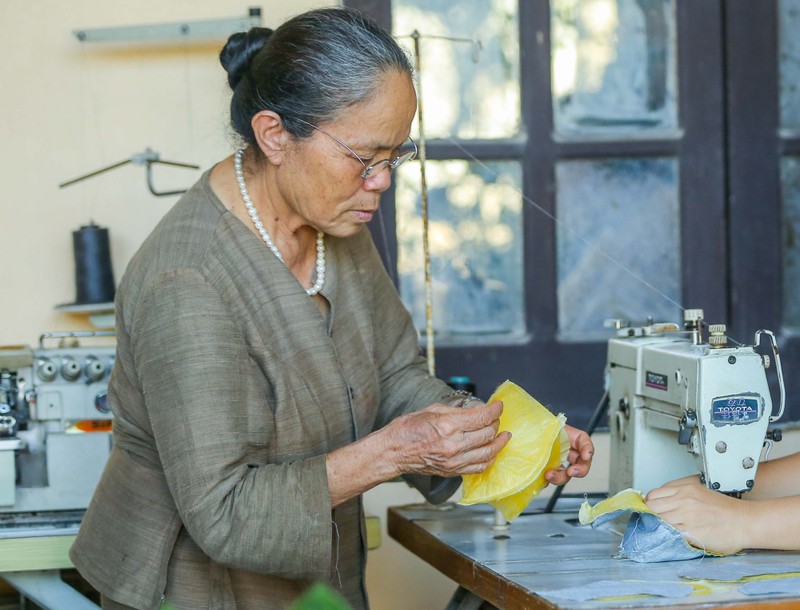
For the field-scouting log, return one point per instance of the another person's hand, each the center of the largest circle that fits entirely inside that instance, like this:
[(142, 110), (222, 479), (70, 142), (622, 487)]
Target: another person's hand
[(581, 450), (708, 519), (447, 441)]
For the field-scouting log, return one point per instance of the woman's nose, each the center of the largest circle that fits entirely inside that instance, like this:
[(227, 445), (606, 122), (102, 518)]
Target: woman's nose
[(379, 181)]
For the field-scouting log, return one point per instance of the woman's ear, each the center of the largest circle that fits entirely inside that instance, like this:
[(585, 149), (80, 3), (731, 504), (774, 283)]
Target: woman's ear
[(270, 135)]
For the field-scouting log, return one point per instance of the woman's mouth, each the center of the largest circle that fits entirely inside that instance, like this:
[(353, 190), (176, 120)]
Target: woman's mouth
[(364, 215)]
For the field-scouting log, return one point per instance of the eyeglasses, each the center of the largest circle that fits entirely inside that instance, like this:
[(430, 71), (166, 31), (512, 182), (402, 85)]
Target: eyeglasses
[(406, 152)]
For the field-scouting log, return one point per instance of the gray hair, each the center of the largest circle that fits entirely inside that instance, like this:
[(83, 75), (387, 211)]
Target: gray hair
[(311, 68)]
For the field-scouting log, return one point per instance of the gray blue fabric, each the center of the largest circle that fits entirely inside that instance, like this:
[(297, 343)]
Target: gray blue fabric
[(648, 539), (615, 588), (771, 586), (732, 571)]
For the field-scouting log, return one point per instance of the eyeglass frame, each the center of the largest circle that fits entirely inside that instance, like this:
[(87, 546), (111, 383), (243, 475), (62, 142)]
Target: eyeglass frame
[(369, 170)]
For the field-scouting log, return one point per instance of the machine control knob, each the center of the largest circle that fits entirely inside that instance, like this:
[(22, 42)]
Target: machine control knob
[(624, 406), (45, 370), (7, 424), (692, 315), (717, 341), (615, 323), (775, 435), (687, 424), (716, 335), (70, 369), (101, 402), (93, 368)]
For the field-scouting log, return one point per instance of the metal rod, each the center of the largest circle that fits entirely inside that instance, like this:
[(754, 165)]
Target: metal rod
[(95, 173), (177, 164), (152, 188), (425, 219)]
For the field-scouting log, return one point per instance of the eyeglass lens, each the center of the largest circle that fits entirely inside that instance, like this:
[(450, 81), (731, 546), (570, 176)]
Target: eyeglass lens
[(407, 152)]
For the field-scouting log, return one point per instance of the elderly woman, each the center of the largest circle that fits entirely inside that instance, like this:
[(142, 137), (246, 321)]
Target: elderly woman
[(267, 373)]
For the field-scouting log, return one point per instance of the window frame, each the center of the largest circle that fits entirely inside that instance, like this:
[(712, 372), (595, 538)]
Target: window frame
[(728, 151)]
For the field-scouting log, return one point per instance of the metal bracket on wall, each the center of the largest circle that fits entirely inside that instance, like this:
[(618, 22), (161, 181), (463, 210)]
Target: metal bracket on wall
[(211, 28), (148, 158)]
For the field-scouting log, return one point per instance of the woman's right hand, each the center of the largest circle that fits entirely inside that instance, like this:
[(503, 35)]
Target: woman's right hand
[(439, 440), (446, 441), (708, 519)]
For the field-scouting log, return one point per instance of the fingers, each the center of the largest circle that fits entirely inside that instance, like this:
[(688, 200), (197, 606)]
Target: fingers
[(558, 476), (676, 503), (662, 501), (447, 441), (474, 461), (480, 416), (471, 460), (691, 480), (467, 441), (659, 493), (579, 459), (581, 446), (477, 416)]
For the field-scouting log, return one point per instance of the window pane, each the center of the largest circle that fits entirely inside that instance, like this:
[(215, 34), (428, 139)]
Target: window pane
[(790, 64), (467, 92), (618, 244), (475, 237), (790, 179), (613, 66)]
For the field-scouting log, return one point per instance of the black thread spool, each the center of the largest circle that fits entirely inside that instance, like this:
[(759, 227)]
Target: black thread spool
[(94, 276)]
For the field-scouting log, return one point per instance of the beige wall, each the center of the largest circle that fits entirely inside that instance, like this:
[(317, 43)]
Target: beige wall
[(69, 108)]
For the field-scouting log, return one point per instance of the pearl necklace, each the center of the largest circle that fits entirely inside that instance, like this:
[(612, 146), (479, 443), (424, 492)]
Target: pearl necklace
[(248, 203)]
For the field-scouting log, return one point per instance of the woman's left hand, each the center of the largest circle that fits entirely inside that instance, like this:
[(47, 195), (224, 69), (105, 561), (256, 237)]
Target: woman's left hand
[(581, 450)]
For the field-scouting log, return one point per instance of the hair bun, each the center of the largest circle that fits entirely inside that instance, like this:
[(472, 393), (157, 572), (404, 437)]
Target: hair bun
[(239, 50)]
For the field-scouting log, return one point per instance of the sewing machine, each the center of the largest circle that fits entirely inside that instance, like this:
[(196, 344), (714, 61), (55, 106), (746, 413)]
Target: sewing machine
[(680, 406), (55, 424), (55, 438)]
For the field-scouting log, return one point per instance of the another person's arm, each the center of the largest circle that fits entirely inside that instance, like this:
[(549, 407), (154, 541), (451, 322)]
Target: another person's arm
[(768, 518), (777, 478)]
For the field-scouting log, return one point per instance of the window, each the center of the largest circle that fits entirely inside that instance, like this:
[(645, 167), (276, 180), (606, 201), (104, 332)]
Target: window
[(789, 103), (601, 159)]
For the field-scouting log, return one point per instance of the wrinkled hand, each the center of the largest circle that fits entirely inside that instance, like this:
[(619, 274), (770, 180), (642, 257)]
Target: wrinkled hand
[(447, 441), (708, 519), (581, 450)]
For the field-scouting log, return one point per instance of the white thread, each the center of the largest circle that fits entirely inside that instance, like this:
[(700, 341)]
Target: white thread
[(529, 201), (336, 563), (570, 229)]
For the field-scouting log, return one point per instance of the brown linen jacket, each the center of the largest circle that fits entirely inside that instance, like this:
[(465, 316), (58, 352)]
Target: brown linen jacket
[(228, 390)]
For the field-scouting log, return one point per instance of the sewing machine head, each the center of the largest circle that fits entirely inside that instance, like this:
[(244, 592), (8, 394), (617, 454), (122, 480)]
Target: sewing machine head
[(54, 426), (680, 406)]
